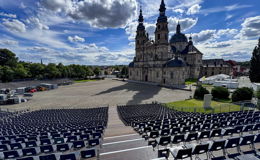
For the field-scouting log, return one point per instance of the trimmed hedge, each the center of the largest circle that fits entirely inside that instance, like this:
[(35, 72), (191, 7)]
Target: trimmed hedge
[(199, 92), (220, 93), (242, 94)]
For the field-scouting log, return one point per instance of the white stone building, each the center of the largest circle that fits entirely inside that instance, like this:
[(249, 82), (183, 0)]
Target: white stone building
[(162, 61)]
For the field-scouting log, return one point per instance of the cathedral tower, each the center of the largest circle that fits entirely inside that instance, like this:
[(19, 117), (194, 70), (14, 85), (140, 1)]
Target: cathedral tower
[(141, 38), (162, 32)]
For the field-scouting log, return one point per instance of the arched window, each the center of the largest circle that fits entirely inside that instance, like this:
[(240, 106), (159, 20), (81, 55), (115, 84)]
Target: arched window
[(159, 36), (171, 75)]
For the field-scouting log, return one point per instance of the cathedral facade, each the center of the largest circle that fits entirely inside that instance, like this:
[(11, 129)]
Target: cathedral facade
[(163, 61)]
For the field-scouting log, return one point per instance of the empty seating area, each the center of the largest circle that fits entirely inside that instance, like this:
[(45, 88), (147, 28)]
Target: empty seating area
[(147, 112), (64, 134), (5, 114), (180, 135)]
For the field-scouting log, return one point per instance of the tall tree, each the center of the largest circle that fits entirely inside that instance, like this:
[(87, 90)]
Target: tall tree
[(37, 70), (254, 73), (52, 71), (7, 58), (20, 72), (8, 74), (124, 71), (97, 71), (63, 70)]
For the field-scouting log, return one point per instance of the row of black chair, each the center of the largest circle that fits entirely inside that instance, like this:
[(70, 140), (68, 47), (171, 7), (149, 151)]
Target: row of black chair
[(53, 140), (74, 144), (83, 154), (210, 147), (54, 132)]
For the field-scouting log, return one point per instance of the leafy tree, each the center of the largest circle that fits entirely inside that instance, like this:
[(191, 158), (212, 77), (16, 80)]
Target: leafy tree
[(254, 73), (37, 70), (117, 68), (220, 93), (89, 72), (124, 71), (97, 71), (7, 58), (8, 74), (242, 94), (200, 92), (63, 70), (51, 71), (1, 72), (20, 72)]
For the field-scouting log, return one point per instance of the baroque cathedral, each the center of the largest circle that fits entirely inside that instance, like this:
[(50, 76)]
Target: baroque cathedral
[(162, 61)]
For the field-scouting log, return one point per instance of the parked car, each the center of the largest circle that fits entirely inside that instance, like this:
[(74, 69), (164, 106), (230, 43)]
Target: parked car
[(3, 98), (40, 88), (27, 94), (32, 90)]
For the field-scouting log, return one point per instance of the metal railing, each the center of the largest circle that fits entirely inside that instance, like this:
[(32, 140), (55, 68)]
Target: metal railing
[(229, 107)]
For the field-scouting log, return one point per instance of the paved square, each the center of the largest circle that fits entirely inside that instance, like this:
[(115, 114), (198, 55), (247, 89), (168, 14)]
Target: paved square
[(101, 93)]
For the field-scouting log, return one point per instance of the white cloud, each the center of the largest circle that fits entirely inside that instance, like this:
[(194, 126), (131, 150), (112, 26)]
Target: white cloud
[(76, 39), (228, 16), (58, 5), (194, 9), (240, 50), (178, 10), (212, 35), (250, 28), (227, 32), (131, 30), (98, 13), (39, 49), (36, 23), (8, 42), (150, 8), (224, 8), (186, 23), (187, 3), (22, 5), (14, 25), (236, 6), (204, 35), (7, 15), (87, 54)]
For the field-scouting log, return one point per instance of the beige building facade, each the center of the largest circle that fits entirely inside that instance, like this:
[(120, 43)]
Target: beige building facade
[(163, 61)]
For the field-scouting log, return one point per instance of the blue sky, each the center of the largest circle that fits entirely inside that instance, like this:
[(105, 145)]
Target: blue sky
[(101, 32)]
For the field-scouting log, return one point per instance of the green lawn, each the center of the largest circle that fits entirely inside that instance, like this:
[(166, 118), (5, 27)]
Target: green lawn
[(190, 81), (85, 80), (194, 105)]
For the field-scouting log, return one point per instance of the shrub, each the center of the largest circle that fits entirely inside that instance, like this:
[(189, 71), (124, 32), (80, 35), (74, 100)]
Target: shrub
[(242, 94), (258, 94), (220, 93), (199, 92)]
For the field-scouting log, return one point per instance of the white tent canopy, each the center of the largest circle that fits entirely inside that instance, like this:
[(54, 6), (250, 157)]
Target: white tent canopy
[(212, 79)]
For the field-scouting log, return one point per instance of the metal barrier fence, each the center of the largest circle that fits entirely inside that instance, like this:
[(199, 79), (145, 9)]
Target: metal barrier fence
[(229, 107)]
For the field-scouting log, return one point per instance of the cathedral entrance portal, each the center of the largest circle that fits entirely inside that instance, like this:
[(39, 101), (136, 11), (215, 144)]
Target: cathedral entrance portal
[(146, 78)]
